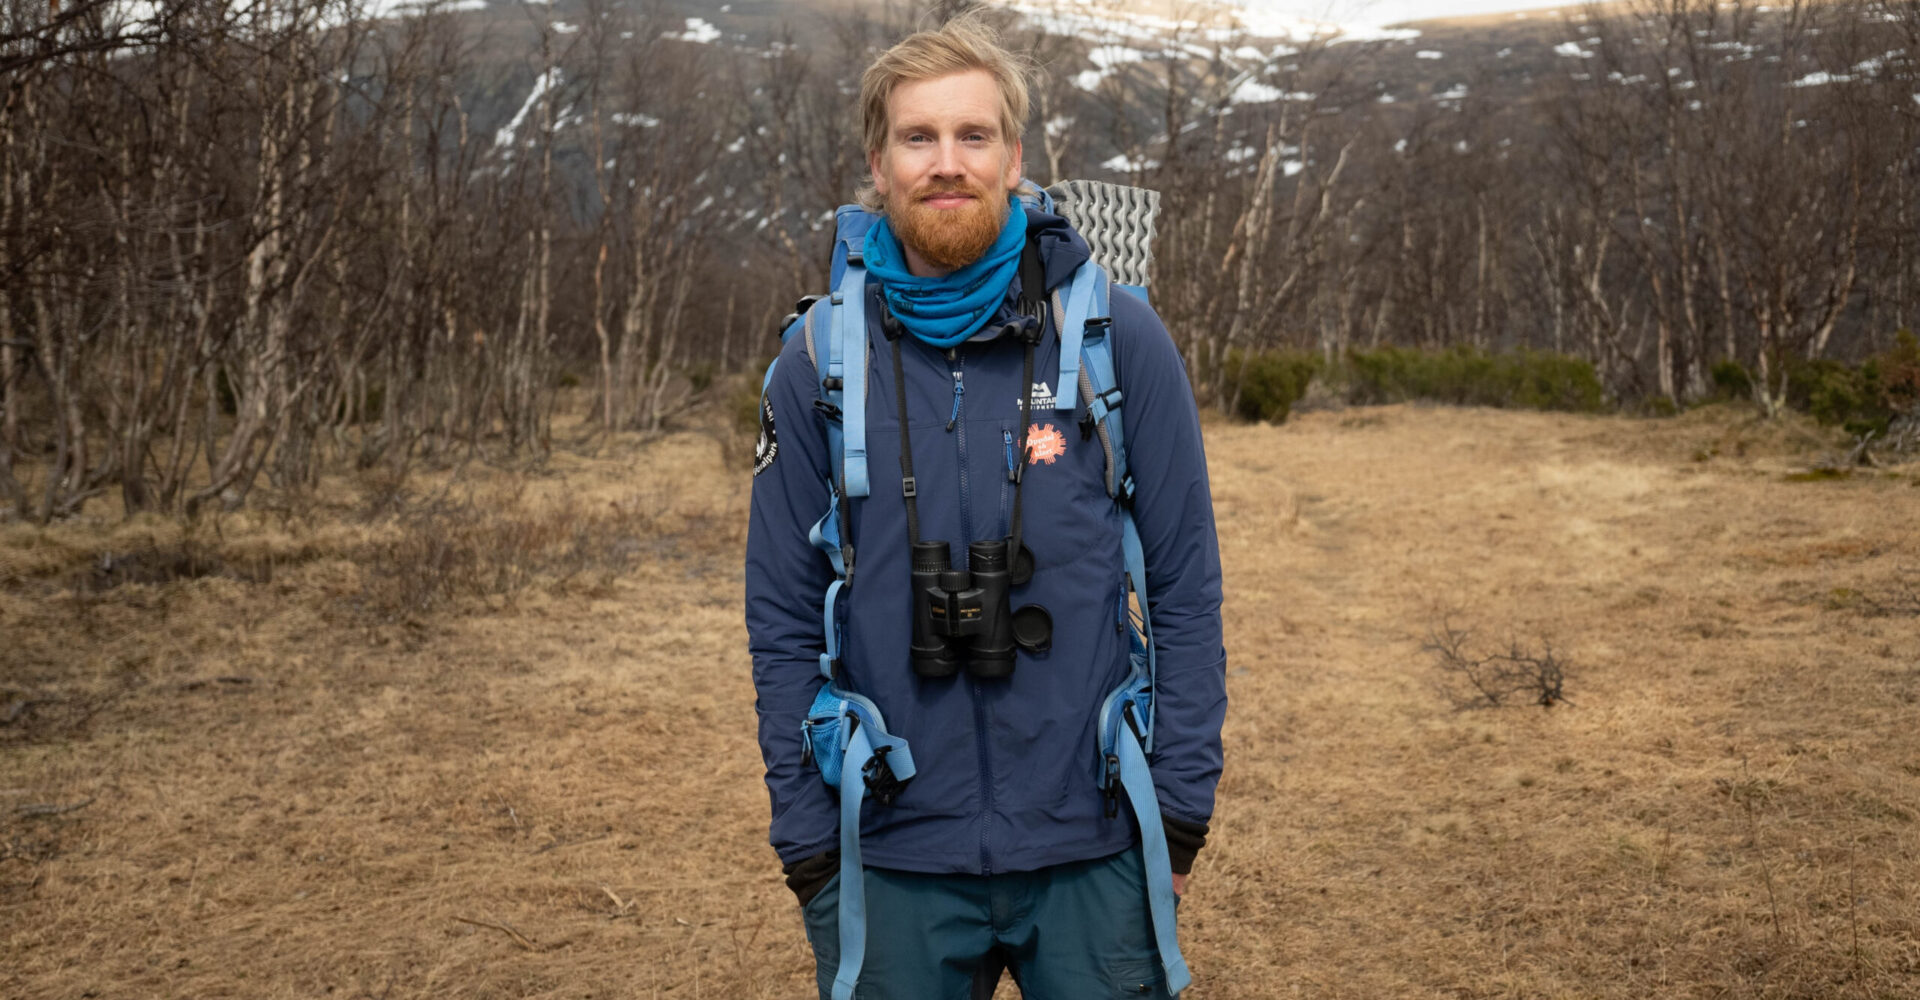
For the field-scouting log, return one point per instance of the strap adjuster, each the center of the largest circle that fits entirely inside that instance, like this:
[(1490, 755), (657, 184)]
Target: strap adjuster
[(909, 488), (882, 783), (1111, 787)]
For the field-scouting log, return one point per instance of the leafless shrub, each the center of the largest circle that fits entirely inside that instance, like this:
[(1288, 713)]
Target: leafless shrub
[(1514, 676), (446, 550)]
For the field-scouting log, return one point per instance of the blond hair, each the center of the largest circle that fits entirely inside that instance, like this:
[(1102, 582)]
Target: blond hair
[(967, 42)]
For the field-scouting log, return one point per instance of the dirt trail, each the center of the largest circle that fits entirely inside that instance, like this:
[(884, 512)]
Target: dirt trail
[(557, 794)]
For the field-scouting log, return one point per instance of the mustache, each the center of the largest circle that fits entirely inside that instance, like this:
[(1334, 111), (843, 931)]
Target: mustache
[(945, 188)]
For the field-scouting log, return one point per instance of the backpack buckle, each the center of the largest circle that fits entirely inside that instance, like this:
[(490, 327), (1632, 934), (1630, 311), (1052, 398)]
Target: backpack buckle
[(1110, 787), (882, 783)]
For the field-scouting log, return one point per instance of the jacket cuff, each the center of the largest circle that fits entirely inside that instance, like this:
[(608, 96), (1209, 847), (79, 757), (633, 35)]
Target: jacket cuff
[(808, 876), (1184, 840)]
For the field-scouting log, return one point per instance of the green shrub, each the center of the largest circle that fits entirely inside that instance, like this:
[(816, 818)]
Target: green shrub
[(1269, 383), (1731, 381), (1862, 400), (1466, 376)]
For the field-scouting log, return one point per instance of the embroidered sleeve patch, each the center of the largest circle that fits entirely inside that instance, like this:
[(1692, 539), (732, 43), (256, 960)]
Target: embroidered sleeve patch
[(768, 447)]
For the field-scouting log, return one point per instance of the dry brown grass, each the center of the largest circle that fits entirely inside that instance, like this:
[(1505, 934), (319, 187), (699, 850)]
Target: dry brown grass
[(295, 778)]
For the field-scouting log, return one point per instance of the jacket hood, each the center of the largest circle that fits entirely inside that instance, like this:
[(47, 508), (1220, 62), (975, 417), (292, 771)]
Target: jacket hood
[(1062, 251)]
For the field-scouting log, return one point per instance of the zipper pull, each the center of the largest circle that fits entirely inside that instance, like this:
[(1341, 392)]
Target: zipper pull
[(959, 389), (1007, 436)]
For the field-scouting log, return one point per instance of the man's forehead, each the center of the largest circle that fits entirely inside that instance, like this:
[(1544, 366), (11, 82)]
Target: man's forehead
[(962, 94)]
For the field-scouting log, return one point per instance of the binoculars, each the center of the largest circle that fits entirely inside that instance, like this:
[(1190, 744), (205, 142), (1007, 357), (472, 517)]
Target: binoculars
[(964, 613)]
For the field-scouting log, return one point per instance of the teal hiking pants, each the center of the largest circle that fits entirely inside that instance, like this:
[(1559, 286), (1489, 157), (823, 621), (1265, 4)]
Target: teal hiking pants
[(1077, 931)]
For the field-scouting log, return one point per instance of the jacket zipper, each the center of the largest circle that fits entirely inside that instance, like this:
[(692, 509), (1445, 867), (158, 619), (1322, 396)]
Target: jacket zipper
[(1006, 485), (958, 425)]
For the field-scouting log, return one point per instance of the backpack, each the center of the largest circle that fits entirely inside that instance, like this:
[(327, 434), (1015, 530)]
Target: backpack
[(844, 732)]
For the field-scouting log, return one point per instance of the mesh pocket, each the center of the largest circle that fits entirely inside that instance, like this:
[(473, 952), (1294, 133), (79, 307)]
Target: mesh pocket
[(822, 732)]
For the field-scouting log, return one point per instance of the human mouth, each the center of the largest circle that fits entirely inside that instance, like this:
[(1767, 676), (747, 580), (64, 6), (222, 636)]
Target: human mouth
[(947, 200)]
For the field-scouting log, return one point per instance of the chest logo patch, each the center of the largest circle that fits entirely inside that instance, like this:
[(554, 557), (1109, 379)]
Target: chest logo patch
[(1044, 444)]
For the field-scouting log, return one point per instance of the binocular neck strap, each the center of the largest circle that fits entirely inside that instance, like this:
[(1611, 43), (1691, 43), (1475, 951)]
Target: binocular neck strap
[(909, 489), (1019, 470)]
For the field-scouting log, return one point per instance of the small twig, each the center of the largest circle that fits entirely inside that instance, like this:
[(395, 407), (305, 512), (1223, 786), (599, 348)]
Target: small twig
[(622, 907), (49, 809), (556, 845), (519, 938)]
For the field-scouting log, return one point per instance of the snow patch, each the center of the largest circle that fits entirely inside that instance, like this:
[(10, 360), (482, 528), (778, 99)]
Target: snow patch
[(541, 83), (1255, 92), (1572, 50), (1109, 56), (698, 31), (1821, 78), (1429, 54), (1124, 164), (1215, 21)]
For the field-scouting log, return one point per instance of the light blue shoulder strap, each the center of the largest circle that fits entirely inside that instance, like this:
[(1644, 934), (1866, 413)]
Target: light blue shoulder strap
[(1137, 779), (1086, 299), (1096, 358), (849, 365), (1126, 720)]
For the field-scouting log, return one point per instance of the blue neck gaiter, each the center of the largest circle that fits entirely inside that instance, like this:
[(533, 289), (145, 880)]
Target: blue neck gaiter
[(945, 311)]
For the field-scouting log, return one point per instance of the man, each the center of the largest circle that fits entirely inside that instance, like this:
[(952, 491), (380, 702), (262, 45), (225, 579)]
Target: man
[(1003, 849)]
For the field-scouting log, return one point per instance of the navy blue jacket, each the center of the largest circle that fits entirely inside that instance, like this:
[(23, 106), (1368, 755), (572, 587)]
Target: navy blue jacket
[(1008, 769)]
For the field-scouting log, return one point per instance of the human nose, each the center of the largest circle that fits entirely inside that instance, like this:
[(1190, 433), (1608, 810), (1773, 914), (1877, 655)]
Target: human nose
[(947, 159)]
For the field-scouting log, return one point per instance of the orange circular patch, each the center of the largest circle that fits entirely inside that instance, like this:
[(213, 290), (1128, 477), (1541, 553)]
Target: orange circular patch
[(1044, 444)]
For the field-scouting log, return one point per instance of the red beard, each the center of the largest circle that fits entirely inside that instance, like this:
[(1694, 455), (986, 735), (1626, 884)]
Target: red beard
[(948, 238)]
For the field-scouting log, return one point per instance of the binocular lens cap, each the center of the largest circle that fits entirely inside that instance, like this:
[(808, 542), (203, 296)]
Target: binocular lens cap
[(1033, 628)]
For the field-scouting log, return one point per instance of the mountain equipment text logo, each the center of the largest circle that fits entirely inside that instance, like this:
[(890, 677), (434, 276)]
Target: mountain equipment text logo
[(1040, 397)]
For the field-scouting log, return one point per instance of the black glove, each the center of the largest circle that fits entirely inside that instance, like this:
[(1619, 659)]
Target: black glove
[(1184, 840), (807, 876)]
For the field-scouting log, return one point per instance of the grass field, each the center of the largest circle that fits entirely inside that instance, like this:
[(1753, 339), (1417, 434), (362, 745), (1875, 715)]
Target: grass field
[(493, 737)]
